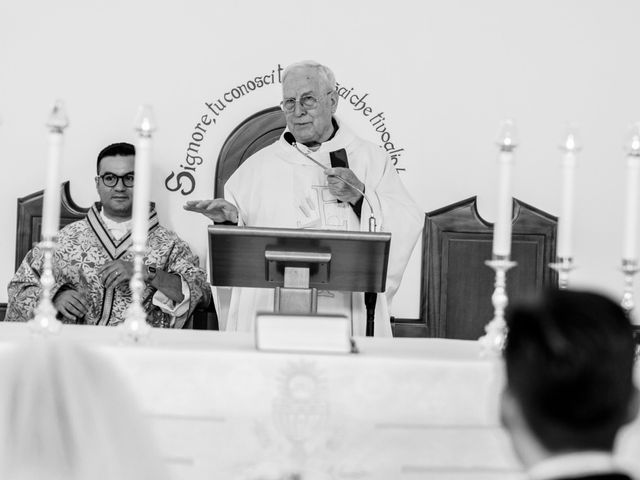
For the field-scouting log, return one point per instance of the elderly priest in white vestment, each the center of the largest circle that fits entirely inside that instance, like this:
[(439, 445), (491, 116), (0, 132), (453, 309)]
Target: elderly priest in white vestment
[(281, 187)]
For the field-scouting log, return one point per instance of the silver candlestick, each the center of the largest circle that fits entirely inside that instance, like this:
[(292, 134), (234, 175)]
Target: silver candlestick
[(563, 265), (135, 326), (45, 321), (629, 269), (492, 342), (570, 148), (495, 335), (629, 248)]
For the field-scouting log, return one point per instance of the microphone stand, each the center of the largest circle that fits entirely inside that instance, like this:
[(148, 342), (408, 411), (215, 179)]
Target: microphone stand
[(370, 298)]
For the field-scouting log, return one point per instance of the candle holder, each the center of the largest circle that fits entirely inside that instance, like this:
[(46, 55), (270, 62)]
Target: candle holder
[(563, 265), (492, 342), (135, 327), (44, 321), (629, 269)]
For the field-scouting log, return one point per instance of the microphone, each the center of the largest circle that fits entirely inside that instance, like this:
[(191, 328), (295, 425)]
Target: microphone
[(370, 298), (291, 140)]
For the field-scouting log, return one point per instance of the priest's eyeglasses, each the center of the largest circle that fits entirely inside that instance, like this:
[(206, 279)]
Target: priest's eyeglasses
[(308, 102), (111, 179)]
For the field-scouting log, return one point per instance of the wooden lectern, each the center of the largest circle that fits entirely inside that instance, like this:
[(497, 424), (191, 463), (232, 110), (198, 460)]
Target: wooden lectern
[(297, 262)]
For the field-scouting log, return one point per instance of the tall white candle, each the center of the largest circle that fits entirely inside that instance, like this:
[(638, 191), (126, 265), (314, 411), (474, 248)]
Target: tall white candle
[(570, 148), (630, 246), (141, 191), (502, 226), (51, 207), (142, 172)]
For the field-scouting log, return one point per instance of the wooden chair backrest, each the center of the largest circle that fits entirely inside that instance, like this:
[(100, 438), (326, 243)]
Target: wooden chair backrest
[(29, 217), (456, 283), (251, 135)]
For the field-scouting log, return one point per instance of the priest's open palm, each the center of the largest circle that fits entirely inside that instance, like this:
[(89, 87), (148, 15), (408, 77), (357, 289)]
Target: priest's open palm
[(217, 209)]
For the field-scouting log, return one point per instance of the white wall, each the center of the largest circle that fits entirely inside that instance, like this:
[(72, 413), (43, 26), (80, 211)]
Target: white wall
[(444, 73)]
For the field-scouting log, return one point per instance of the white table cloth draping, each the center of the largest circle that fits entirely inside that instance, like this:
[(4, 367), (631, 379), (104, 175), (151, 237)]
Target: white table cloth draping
[(400, 409)]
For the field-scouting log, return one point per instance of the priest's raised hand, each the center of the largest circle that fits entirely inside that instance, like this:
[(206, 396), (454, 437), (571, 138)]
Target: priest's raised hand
[(217, 209)]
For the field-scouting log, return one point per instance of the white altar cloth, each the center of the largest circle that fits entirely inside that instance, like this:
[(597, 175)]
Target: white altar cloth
[(401, 409)]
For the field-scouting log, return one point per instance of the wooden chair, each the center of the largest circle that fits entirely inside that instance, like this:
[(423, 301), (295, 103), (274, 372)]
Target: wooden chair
[(29, 228), (457, 285), (29, 225)]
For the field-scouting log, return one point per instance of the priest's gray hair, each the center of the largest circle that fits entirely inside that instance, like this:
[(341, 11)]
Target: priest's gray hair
[(326, 75)]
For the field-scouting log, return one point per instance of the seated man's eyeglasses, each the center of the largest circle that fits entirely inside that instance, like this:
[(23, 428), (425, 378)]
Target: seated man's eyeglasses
[(308, 102), (111, 179)]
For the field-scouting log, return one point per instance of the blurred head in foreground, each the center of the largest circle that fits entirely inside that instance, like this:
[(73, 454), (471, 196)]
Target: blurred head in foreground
[(569, 365), (65, 413)]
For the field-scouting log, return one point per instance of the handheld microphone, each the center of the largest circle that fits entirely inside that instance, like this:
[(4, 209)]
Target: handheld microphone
[(291, 140)]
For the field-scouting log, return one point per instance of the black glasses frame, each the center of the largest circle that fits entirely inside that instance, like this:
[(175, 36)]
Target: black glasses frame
[(128, 179)]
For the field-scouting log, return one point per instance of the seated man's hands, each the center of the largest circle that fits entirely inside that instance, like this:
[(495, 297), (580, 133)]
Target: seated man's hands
[(116, 272), (71, 304), (218, 209), (340, 189)]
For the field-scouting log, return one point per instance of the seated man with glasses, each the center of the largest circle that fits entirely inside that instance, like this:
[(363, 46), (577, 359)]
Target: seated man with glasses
[(93, 264), (316, 176)]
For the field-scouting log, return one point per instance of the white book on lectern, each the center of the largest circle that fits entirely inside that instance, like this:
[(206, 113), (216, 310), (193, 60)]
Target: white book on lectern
[(303, 333)]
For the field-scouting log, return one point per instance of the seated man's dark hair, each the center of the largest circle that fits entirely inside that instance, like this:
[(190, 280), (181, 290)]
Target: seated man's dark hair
[(121, 149), (569, 360)]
